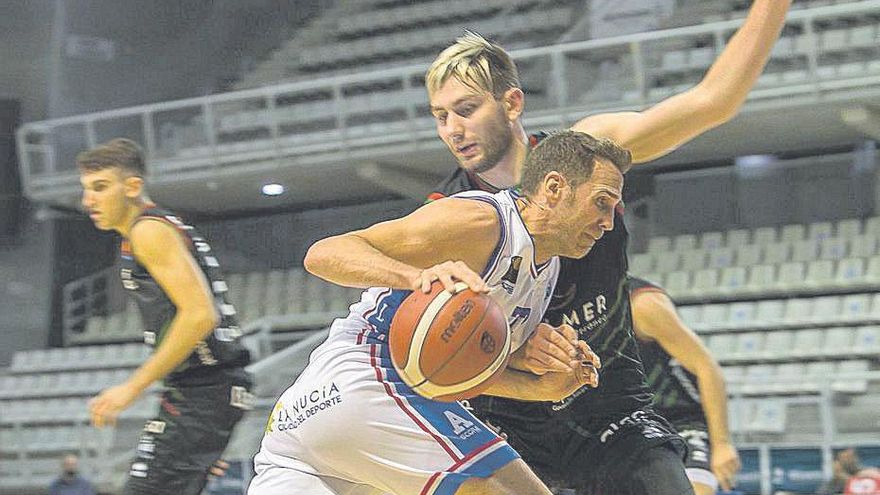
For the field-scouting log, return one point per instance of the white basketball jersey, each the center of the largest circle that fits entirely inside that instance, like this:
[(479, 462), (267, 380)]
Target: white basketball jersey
[(517, 284)]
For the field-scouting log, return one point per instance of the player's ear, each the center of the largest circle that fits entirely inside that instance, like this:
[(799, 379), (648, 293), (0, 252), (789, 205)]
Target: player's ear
[(514, 103), (554, 186), (134, 186)]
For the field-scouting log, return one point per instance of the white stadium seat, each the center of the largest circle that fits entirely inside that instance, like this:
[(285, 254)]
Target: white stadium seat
[(659, 244), (855, 308), (711, 240), (833, 248), (777, 344), (808, 343), (798, 311), (764, 235), (749, 255), (684, 242), (692, 260), (770, 313), (792, 233), (761, 278), (733, 281), (737, 238), (819, 231), (776, 253), (847, 229), (807, 250), (839, 341), (666, 262), (721, 258), (791, 277), (640, 264), (863, 246), (850, 273)]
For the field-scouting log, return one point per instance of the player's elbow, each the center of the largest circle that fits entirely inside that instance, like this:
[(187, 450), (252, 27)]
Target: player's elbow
[(318, 257), (716, 107), (203, 318)]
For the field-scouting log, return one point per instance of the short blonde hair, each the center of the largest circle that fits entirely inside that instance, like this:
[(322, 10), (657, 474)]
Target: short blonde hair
[(477, 63)]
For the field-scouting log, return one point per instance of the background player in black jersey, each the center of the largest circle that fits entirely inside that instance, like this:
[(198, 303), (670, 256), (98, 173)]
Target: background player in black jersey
[(688, 387), (172, 274), (607, 440)]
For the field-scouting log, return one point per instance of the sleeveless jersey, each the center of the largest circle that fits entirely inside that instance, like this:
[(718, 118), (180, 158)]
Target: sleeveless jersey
[(676, 393), (516, 283), (220, 354), (592, 296)]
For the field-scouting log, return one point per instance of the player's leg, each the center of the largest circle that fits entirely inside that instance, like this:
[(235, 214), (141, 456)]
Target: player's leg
[(697, 463), (657, 470), (513, 479), (177, 449), (276, 480), (350, 416)]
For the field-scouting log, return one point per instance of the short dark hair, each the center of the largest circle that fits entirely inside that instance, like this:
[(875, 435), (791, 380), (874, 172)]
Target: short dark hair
[(573, 154), (120, 152)]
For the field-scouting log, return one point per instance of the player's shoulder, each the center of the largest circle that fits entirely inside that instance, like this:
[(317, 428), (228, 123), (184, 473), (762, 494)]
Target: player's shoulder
[(153, 237)]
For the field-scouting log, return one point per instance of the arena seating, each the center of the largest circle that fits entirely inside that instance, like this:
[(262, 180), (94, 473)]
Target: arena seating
[(789, 311), (844, 46)]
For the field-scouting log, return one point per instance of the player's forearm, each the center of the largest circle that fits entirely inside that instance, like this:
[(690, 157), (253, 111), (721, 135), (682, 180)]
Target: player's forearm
[(184, 333), (351, 261), (519, 385), (713, 395), (727, 83)]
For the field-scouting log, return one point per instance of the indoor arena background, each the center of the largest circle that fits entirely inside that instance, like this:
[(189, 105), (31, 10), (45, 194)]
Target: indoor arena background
[(271, 124)]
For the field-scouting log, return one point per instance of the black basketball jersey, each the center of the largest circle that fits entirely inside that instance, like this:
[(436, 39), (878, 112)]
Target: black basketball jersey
[(676, 393), (221, 354), (591, 295)]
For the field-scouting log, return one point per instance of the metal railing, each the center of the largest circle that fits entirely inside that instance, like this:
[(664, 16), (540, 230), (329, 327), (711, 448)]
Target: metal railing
[(287, 125)]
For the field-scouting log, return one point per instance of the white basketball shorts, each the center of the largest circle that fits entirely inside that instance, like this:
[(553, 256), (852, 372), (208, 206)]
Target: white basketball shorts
[(349, 425)]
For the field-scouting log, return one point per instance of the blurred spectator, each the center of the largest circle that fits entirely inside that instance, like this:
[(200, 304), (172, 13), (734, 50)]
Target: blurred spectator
[(70, 482), (846, 465)]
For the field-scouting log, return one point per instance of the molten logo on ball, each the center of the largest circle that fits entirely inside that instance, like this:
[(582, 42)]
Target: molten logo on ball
[(457, 318), (487, 343)]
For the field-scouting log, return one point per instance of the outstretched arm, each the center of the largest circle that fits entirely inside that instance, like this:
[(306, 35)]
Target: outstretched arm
[(715, 100), (654, 317), (448, 239)]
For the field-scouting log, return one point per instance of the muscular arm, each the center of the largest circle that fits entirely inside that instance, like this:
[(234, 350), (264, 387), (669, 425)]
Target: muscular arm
[(161, 250), (716, 99), (553, 386), (394, 253), (655, 318)]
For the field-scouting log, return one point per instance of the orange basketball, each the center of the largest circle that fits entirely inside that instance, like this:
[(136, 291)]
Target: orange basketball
[(449, 346)]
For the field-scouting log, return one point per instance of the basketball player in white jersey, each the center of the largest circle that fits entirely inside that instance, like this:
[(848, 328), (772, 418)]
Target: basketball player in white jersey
[(349, 425)]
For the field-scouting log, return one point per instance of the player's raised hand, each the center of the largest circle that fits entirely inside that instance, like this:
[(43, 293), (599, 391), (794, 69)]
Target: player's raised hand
[(448, 273)]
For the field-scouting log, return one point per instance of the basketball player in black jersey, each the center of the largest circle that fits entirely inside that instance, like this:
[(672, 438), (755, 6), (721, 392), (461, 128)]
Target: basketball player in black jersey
[(608, 440), (172, 274), (688, 387)]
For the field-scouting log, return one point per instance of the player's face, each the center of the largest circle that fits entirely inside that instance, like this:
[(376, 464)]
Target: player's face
[(104, 196), (589, 213), (473, 124)]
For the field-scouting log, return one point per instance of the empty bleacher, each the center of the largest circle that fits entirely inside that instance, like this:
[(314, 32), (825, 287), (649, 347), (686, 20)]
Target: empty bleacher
[(790, 312), (283, 300)]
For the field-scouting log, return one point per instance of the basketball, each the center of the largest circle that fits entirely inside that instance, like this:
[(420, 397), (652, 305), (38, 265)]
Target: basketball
[(449, 346)]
